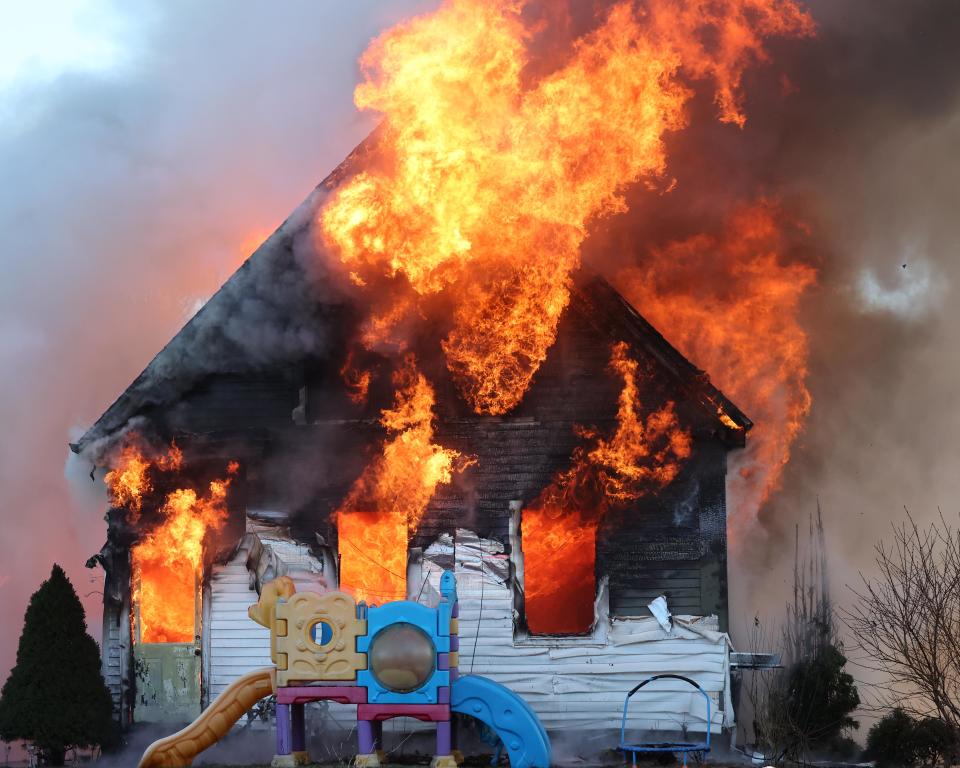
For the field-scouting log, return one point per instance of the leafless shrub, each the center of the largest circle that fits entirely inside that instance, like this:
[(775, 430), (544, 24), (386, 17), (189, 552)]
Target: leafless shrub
[(906, 620), (803, 708)]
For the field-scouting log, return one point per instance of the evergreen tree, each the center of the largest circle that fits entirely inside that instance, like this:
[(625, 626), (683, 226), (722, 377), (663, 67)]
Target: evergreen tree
[(821, 698), (55, 696)]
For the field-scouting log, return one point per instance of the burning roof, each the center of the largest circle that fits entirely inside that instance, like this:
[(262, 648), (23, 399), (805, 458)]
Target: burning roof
[(275, 289)]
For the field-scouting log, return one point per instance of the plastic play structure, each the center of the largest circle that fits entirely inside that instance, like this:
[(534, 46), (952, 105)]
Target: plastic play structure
[(678, 747), (395, 660)]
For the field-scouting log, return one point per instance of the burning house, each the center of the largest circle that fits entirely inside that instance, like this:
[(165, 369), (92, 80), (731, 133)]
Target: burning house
[(415, 373), (602, 490)]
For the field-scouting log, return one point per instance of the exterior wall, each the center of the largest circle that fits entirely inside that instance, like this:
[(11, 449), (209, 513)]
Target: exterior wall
[(235, 645), (571, 683), (673, 544), (116, 628), (301, 443), (580, 683)]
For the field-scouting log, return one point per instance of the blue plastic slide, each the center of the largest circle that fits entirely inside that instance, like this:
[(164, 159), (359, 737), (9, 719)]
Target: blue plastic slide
[(505, 713)]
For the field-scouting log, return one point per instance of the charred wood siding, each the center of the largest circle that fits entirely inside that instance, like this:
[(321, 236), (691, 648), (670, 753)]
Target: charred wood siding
[(115, 633), (673, 544), (304, 443), (582, 686), (236, 402)]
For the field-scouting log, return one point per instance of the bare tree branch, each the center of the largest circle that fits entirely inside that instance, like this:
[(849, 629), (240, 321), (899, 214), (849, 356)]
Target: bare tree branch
[(906, 619)]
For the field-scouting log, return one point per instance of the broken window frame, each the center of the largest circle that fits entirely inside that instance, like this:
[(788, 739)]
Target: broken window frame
[(596, 636)]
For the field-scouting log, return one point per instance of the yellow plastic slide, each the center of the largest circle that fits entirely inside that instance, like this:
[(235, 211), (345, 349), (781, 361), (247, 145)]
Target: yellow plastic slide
[(214, 723)]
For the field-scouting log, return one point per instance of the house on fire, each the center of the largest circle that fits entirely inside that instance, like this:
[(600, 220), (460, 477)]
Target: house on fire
[(255, 378)]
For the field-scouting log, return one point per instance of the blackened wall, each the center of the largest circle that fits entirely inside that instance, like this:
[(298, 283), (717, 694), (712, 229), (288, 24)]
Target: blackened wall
[(303, 443)]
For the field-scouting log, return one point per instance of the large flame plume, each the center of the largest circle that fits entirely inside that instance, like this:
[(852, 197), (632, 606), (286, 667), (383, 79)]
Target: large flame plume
[(167, 561), (488, 183), (559, 529), (740, 323), (482, 188), (389, 499)]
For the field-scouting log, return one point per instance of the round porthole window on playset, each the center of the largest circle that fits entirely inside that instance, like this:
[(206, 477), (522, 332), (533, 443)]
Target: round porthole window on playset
[(321, 632), (402, 657)]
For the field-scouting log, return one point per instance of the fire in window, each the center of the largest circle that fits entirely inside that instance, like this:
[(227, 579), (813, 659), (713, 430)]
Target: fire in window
[(554, 560), (167, 564), (560, 584)]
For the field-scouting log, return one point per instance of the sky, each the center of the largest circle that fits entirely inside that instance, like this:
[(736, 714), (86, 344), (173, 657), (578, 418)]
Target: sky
[(43, 39)]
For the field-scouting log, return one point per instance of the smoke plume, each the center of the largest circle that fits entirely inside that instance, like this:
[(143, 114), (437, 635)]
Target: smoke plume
[(128, 198)]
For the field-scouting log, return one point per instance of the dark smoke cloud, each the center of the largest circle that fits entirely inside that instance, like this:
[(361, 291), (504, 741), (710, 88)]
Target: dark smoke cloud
[(865, 146), (856, 132), (127, 199)]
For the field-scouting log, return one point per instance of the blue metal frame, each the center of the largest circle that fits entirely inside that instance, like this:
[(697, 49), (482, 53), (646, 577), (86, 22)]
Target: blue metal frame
[(683, 747)]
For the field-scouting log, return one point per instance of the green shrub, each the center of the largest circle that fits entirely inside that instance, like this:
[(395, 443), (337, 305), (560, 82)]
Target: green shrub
[(934, 741), (899, 741), (820, 699)]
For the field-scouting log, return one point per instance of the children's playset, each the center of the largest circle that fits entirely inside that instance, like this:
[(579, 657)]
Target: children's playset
[(395, 660)]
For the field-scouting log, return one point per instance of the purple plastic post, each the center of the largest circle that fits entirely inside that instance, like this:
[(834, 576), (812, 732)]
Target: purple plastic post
[(298, 730), (444, 744), (365, 737), (283, 729)]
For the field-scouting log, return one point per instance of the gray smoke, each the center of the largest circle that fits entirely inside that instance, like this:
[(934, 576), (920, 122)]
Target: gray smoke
[(865, 148), (854, 132), (128, 198)]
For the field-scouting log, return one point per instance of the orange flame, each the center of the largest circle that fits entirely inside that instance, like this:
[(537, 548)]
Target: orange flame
[(129, 480), (643, 455), (488, 185), (388, 500), (559, 578), (167, 562), (742, 326), (356, 379)]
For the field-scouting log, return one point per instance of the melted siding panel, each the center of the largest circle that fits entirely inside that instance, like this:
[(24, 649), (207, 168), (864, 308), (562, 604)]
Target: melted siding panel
[(583, 684)]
